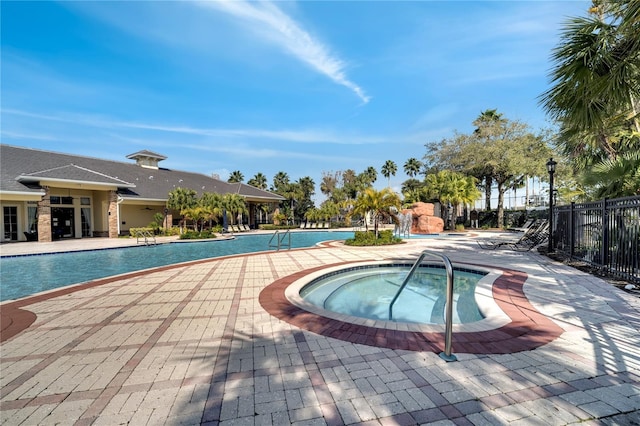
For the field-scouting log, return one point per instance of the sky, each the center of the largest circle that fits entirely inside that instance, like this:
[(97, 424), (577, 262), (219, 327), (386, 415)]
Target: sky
[(306, 87)]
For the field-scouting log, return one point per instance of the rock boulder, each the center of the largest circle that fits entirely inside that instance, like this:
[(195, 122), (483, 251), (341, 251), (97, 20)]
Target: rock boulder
[(423, 219)]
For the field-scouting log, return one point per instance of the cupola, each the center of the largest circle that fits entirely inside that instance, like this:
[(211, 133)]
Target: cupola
[(147, 159)]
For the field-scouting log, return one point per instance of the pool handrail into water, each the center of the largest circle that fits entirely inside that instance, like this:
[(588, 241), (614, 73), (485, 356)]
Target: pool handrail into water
[(280, 239), (448, 321)]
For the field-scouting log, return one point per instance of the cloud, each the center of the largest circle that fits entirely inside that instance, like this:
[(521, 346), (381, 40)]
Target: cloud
[(297, 136), (435, 115), (241, 151), (281, 30)]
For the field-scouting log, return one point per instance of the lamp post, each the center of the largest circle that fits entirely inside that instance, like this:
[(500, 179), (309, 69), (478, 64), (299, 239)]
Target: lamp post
[(551, 168)]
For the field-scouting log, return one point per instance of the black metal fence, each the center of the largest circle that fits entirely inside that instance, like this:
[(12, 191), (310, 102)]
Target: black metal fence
[(604, 234)]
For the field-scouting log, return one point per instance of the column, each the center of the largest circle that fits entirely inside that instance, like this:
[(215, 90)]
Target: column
[(113, 214), (44, 217)]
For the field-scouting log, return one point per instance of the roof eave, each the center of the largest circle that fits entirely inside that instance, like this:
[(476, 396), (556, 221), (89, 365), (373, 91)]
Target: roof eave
[(142, 200), (274, 199), (9, 195), (122, 184)]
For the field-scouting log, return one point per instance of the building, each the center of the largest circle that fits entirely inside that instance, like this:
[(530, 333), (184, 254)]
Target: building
[(48, 195)]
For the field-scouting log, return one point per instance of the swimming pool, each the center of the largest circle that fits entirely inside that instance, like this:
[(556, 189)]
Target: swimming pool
[(367, 292), (25, 275)]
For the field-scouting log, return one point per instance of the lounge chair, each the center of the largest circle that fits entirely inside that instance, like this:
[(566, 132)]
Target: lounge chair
[(535, 233), (525, 226), (530, 242), (327, 225)]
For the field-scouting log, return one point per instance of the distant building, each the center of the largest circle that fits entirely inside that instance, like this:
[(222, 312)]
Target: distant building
[(47, 195)]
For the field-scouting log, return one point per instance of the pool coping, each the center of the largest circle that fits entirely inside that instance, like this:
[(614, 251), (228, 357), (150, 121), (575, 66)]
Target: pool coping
[(526, 330), (494, 317)]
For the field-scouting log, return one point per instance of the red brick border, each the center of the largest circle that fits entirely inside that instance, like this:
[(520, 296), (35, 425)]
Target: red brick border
[(527, 330)]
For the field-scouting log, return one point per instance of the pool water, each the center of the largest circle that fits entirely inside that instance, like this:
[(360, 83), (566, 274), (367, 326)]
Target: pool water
[(367, 292), (25, 275)]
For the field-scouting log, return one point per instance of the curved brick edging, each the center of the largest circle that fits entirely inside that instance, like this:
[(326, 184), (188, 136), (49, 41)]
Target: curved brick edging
[(527, 330), (13, 320)]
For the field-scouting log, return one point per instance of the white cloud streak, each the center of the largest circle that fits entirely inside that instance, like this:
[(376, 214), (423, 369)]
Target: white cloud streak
[(283, 31), (296, 136)]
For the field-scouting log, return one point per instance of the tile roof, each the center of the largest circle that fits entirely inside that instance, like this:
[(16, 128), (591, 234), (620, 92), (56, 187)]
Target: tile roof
[(133, 181)]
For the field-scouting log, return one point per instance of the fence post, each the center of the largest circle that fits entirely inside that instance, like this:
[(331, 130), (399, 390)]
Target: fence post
[(604, 251), (572, 231)]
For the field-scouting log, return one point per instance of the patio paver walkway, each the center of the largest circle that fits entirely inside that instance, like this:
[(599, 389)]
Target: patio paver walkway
[(192, 344)]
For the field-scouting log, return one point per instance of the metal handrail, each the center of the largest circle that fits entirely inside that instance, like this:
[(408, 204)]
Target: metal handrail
[(279, 240), (446, 355), (146, 235)]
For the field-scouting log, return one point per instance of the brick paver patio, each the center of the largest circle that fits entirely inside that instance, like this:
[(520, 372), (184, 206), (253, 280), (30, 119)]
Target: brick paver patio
[(215, 342)]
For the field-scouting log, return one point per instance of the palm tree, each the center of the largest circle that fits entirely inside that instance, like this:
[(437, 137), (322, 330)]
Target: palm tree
[(280, 180), (236, 177), (329, 209), (293, 193), (235, 204), (452, 188), (258, 181), (411, 190), (371, 175), (212, 204), (412, 167), (197, 214), (381, 204), (312, 215), (595, 93), (307, 188), (389, 169), (181, 199), (619, 177)]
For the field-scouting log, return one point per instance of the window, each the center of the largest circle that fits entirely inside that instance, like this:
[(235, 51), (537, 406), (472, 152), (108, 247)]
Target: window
[(85, 201), (85, 214), (55, 199)]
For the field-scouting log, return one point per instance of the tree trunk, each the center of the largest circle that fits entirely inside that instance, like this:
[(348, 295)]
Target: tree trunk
[(501, 191), (375, 226), (488, 182)]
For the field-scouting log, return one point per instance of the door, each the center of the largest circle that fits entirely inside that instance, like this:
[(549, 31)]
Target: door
[(62, 225), (10, 218)]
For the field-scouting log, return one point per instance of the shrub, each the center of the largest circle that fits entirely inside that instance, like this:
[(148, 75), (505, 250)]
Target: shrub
[(174, 230), (271, 227), (278, 218), (368, 238), (195, 235)]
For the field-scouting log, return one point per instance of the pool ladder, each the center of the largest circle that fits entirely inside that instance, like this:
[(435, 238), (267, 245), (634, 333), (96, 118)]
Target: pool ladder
[(446, 355), (280, 240), (147, 237)]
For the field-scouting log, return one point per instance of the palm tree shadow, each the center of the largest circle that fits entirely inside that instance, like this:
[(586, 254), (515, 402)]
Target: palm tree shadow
[(251, 376), (269, 371)]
